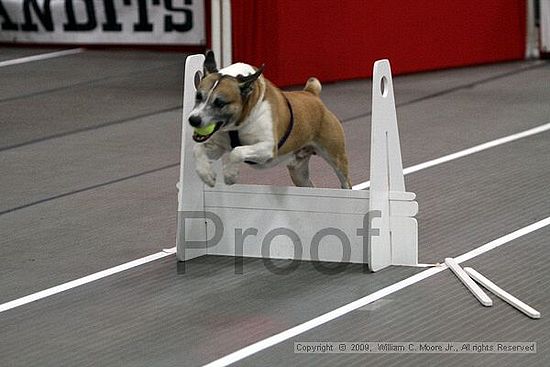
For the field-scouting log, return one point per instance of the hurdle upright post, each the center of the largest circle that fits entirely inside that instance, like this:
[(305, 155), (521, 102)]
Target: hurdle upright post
[(190, 219), (391, 207)]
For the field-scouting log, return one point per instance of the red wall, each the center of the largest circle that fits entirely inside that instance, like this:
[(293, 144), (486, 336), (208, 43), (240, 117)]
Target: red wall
[(340, 39)]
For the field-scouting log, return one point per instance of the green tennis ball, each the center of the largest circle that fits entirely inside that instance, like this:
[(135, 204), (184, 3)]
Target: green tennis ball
[(207, 130)]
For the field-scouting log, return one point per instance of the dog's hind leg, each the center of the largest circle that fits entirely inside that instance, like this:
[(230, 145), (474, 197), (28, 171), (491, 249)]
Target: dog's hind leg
[(299, 171), (335, 156), (331, 146)]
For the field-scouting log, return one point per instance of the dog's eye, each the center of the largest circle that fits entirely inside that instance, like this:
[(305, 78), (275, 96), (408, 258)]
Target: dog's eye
[(198, 97), (219, 103)]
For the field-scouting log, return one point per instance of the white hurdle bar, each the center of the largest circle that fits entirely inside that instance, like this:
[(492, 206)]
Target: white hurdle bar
[(376, 227)]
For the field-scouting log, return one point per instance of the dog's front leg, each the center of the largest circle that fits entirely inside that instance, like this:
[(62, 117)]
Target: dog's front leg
[(205, 154), (259, 153)]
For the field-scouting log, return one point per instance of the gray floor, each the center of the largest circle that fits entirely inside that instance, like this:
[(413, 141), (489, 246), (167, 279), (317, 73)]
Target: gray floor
[(89, 150)]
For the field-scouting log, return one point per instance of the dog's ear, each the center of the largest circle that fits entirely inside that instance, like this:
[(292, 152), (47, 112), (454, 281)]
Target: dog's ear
[(246, 82), (210, 63)]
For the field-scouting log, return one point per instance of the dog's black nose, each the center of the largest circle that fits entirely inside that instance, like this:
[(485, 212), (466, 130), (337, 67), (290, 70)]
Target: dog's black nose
[(195, 120)]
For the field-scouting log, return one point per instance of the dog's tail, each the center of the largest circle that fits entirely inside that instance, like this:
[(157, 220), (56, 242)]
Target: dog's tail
[(313, 86)]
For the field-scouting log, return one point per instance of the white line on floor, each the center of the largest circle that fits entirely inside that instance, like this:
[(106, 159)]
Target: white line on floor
[(39, 57), (105, 273), (81, 281), (329, 316), (465, 152)]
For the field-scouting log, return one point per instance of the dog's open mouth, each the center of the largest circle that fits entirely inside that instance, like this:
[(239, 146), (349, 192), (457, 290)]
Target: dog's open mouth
[(200, 135)]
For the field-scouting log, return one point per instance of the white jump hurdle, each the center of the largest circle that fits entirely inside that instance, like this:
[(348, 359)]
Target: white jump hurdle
[(376, 227)]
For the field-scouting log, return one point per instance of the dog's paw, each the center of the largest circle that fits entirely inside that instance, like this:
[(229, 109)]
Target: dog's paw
[(230, 173), (230, 178), (208, 177)]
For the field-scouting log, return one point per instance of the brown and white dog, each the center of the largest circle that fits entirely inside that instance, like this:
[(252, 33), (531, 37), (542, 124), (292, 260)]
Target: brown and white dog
[(258, 124)]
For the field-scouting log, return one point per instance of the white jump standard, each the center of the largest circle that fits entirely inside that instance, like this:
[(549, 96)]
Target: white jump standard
[(376, 227)]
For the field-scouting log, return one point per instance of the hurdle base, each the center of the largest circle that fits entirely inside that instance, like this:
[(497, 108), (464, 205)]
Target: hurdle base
[(295, 223)]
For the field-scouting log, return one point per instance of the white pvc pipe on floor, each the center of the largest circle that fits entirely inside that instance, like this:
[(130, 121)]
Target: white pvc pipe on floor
[(502, 294), (481, 296)]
